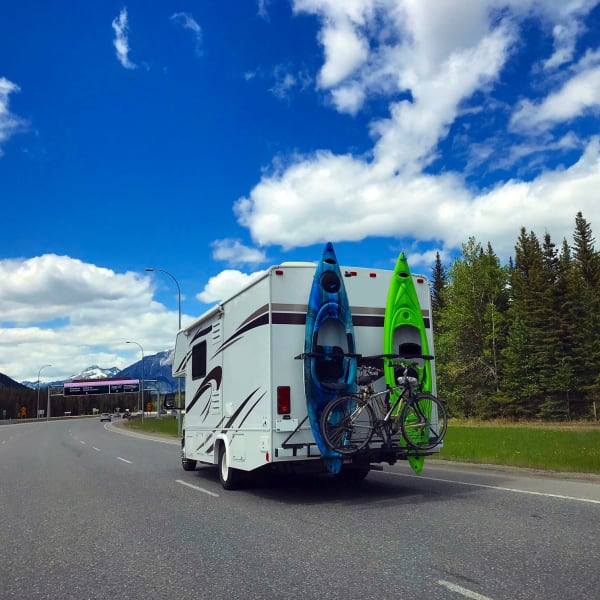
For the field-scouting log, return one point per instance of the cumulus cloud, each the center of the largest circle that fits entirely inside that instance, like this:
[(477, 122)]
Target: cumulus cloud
[(236, 253), (120, 26), (225, 284), (10, 123), (188, 22), (60, 310), (431, 60), (579, 95)]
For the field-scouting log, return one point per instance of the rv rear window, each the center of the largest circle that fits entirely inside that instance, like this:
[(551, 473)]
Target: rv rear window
[(199, 360)]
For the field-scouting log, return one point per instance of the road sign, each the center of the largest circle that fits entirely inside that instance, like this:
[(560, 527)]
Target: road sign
[(102, 386)]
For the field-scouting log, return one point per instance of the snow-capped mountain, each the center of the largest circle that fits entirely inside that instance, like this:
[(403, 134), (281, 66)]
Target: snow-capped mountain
[(95, 372), (156, 368)]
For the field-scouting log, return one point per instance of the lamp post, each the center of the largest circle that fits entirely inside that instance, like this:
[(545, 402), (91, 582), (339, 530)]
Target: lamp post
[(37, 408), (151, 269), (142, 388)]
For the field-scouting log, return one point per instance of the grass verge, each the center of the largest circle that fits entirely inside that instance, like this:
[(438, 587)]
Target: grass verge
[(553, 448), (566, 448), (164, 425)]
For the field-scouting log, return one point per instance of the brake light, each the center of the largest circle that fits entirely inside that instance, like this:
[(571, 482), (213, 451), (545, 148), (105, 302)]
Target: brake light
[(284, 404)]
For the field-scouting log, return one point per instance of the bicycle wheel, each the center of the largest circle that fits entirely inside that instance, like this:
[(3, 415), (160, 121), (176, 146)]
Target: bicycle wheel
[(347, 424), (423, 421)]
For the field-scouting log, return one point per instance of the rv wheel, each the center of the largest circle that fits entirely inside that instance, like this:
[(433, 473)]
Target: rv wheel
[(187, 463), (231, 479), (352, 476)]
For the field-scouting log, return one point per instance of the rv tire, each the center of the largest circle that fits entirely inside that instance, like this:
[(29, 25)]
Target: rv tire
[(231, 479), (352, 476), (188, 464)]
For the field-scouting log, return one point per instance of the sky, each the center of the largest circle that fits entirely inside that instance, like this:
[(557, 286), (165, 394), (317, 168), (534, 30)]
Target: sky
[(211, 139)]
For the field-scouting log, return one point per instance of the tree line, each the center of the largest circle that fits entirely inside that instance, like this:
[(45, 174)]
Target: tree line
[(520, 341)]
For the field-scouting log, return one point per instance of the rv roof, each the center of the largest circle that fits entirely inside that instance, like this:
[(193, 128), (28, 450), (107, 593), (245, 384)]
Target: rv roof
[(297, 264)]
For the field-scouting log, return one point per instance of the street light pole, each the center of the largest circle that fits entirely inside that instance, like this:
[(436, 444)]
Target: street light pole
[(151, 269), (37, 408), (142, 390)]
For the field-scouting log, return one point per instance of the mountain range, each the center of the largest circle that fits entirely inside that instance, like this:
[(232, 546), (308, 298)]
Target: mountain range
[(157, 367)]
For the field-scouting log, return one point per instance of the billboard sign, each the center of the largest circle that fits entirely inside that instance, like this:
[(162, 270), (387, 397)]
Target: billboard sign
[(101, 386)]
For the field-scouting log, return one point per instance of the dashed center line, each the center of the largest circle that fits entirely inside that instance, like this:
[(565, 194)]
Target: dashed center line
[(96, 449), (195, 487), (462, 591), (82, 442), (124, 460)]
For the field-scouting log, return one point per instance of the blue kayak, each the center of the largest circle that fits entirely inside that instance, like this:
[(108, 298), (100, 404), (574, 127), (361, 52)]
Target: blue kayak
[(329, 367)]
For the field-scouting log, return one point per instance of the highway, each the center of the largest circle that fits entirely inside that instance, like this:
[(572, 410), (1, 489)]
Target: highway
[(88, 512)]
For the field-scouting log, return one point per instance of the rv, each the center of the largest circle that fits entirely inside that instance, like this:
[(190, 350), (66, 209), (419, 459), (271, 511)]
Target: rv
[(245, 404)]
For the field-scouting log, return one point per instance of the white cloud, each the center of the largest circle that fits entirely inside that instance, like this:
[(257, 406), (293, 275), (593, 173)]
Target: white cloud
[(121, 42), (71, 314), (225, 284), (345, 51), (235, 253), (9, 122), (445, 58), (188, 22), (578, 95)]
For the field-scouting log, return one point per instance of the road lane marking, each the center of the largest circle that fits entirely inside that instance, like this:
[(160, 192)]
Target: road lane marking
[(195, 487), (463, 591), (496, 487), (124, 460), (81, 442), (96, 449)]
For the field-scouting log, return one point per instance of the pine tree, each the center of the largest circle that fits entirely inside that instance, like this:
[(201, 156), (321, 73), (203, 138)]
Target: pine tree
[(470, 322), (440, 281)]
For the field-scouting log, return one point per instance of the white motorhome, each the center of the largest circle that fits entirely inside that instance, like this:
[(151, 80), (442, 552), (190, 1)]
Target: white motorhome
[(244, 389)]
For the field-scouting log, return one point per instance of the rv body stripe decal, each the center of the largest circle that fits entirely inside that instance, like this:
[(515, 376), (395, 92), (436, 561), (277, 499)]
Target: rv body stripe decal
[(367, 321), (289, 319), (202, 333), (293, 308), (257, 322), (259, 312), (209, 437), (224, 427), (239, 410), (215, 375), (252, 408)]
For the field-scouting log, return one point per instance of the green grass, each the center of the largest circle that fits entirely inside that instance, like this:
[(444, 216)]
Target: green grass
[(548, 447), (552, 448), (164, 425)]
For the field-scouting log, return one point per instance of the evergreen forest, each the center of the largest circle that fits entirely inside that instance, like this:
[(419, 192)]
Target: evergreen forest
[(520, 341)]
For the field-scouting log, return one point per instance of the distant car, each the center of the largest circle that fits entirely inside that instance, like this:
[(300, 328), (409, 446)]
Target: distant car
[(105, 417)]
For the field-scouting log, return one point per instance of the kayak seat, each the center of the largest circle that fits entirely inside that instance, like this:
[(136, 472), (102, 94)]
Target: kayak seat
[(330, 367)]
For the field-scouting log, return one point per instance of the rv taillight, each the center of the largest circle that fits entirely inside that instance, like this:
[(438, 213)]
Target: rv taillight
[(284, 405), (372, 275), (420, 280), (279, 272)]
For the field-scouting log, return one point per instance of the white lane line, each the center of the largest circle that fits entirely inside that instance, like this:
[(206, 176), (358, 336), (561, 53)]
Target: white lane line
[(81, 442), (195, 487), (496, 487), (463, 591), (96, 449), (124, 460)]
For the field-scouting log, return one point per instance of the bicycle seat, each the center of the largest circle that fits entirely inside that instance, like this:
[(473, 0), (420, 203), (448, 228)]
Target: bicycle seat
[(367, 379)]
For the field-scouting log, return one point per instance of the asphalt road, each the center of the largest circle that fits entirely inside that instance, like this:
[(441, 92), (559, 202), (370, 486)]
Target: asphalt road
[(87, 512)]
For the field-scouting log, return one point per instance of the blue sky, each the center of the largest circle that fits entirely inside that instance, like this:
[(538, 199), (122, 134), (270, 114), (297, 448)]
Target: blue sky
[(213, 139)]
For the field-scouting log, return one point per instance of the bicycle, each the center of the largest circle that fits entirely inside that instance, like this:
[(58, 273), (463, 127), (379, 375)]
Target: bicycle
[(349, 422)]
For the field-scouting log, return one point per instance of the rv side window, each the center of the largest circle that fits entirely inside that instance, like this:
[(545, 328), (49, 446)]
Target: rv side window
[(199, 360)]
